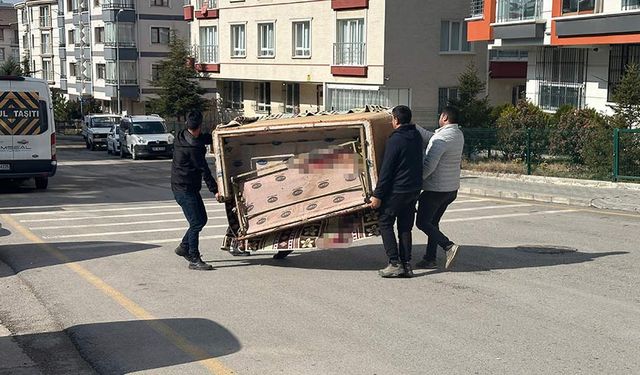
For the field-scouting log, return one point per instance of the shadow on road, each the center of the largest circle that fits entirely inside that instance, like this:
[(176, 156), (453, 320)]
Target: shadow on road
[(469, 259), (28, 256), (4, 232), (130, 346)]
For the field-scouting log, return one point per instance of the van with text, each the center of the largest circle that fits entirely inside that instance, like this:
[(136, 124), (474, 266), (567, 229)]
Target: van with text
[(27, 133)]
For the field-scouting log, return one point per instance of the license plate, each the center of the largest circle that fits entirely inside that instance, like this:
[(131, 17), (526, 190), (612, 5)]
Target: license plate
[(5, 167), (157, 148)]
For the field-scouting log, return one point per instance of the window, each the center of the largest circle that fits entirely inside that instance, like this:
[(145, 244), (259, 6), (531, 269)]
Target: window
[(264, 95), (96, 3), (45, 16), (445, 95), (292, 98), (477, 8), (99, 32), (578, 6), (208, 48), (15, 52), (620, 56), (1, 34), (630, 4), (238, 41), (1, 54), (344, 99), (266, 37), (45, 46), (350, 48), (518, 10), (101, 71), (128, 72), (561, 75), (159, 3), (63, 71), (125, 37), (155, 72), (453, 37), (234, 94), (302, 39), (508, 55), (71, 36), (160, 35), (73, 71), (47, 70)]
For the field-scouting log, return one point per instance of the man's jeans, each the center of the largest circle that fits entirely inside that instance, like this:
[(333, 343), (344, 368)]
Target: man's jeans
[(403, 208), (430, 210), (193, 208)]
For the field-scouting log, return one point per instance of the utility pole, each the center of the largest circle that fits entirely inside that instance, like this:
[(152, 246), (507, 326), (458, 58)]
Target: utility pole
[(83, 69), (118, 59)]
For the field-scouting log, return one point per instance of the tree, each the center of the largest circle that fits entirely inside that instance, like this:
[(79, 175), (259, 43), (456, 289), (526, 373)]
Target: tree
[(60, 106), (474, 108), (10, 67), (26, 69), (179, 89), (627, 98)]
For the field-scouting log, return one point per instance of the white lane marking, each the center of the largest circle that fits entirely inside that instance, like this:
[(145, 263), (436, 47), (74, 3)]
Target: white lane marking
[(490, 207), (80, 205), (110, 162), (110, 210), (126, 232), (507, 216), (469, 201), (151, 242), (109, 217), (117, 224)]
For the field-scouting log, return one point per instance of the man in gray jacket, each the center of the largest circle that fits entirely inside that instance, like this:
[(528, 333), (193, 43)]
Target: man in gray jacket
[(441, 175)]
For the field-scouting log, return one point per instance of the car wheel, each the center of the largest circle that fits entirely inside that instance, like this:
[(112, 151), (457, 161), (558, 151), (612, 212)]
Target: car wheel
[(86, 141), (42, 182)]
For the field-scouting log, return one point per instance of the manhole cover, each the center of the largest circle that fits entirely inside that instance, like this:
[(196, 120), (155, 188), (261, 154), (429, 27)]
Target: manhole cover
[(546, 249)]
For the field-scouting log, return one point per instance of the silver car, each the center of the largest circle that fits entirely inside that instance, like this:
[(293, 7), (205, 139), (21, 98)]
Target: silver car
[(113, 140)]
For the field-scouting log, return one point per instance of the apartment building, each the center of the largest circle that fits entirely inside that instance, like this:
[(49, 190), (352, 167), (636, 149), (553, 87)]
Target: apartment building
[(105, 49), (9, 46), (564, 51), (309, 55)]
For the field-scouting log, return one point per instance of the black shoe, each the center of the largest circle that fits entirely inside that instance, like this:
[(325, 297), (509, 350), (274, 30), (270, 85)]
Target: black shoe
[(427, 264), (237, 252), (407, 271), (198, 265), (182, 251)]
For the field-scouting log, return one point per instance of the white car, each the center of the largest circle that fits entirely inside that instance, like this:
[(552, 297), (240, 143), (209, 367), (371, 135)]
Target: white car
[(113, 140), (96, 129), (144, 136)]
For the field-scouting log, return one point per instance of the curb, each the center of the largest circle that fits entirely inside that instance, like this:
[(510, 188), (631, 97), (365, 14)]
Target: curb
[(555, 180)]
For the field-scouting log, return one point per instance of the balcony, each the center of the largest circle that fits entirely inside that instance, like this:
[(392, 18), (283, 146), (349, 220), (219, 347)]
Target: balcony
[(206, 59), (206, 9), (606, 25), (519, 19), (349, 4), (477, 8), (349, 59), (45, 22), (518, 10), (118, 4)]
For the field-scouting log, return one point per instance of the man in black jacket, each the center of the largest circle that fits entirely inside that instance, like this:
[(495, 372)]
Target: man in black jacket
[(397, 191), (188, 169)]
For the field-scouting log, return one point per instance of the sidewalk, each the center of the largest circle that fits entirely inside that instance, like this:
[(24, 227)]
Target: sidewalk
[(583, 193)]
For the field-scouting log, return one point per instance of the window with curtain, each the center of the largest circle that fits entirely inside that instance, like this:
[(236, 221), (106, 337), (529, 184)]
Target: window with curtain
[(125, 34), (207, 50), (266, 37), (264, 97), (160, 35), (518, 10), (128, 72), (453, 37), (350, 48), (578, 6), (238, 41), (302, 39)]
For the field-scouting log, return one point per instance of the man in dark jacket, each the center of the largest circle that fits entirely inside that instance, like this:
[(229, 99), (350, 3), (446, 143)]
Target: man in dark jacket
[(188, 169), (397, 191)]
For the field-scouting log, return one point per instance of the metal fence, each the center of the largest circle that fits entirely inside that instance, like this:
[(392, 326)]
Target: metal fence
[(626, 154), (551, 152)]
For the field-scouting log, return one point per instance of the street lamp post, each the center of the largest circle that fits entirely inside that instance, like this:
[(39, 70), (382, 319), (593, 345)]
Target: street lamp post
[(118, 59)]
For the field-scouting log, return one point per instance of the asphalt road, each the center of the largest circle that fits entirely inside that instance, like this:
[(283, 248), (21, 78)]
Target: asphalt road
[(536, 289)]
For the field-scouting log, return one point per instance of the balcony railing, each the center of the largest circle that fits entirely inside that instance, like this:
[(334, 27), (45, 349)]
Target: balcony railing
[(630, 4), (211, 4), (349, 54), (477, 8), (45, 21), (518, 10), (553, 95), (119, 4), (121, 43), (206, 54), (123, 81)]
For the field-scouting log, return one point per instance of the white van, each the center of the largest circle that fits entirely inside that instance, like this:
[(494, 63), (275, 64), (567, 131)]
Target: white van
[(144, 136), (27, 133)]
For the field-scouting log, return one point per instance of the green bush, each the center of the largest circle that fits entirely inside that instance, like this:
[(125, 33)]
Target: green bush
[(512, 130), (572, 132)]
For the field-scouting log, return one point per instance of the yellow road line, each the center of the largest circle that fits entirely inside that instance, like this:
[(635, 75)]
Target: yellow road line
[(214, 366)]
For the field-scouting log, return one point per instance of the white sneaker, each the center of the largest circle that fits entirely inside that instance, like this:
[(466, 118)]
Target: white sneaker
[(451, 253)]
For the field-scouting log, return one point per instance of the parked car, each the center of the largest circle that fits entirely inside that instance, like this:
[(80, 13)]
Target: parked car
[(144, 136), (27, 134), (96, 128), (113, 140)]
